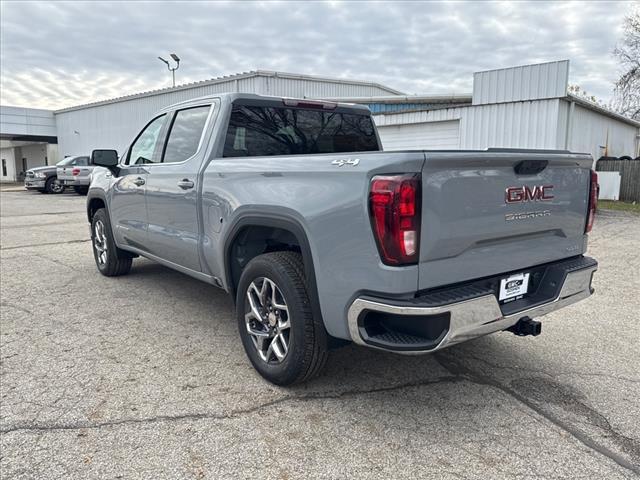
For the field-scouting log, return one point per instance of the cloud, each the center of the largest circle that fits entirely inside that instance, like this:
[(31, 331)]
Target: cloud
[(58, 54)]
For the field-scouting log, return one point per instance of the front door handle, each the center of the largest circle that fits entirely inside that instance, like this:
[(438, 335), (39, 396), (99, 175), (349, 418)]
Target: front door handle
[(185, 184), (139, 181)]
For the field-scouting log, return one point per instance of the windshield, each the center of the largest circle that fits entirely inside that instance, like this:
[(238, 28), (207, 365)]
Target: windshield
[(65, 161)]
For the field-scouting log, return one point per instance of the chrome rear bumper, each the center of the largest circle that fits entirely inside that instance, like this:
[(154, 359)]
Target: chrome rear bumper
[(474, 317)]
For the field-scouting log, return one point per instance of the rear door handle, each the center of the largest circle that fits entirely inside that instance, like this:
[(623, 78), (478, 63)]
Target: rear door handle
[(139, 181), (185, 184)]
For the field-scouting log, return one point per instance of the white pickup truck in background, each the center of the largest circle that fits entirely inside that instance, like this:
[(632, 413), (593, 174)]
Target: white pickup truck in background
[(76, 174)]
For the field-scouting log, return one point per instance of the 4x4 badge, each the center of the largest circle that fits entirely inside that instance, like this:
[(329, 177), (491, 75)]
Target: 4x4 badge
[(346, 161)]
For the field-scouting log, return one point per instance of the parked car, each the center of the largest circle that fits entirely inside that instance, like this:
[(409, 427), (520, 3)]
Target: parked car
[(321, 237), (76, 173), (43, 179)]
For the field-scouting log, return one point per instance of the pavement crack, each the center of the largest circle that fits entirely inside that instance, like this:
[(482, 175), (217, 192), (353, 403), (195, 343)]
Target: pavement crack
[(39, 214), (57, 262), (458, 369), (223, 416), (15, 247), (16, 307), (553, 374)]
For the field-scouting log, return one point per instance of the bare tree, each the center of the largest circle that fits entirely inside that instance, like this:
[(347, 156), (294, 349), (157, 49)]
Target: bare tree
[(579, 92), (626, 98)]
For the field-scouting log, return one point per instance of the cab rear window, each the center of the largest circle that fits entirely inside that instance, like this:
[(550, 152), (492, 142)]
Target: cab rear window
[(256, 131)]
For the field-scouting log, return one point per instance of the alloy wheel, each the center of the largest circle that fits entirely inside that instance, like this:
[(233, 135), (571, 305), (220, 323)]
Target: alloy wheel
[(57, 187), (267, 320), (100, 242)]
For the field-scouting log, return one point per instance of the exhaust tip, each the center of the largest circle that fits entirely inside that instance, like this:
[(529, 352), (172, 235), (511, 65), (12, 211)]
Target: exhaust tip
[(526, 326)]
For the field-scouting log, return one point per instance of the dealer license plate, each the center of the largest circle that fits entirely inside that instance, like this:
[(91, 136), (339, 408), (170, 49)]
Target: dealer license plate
[(513, 287)]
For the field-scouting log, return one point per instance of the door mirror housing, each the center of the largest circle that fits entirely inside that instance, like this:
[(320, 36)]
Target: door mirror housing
[(105, 158)]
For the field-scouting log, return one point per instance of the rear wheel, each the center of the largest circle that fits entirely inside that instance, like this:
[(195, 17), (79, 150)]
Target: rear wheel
[(110, 260), (280, 335), (52, 185)]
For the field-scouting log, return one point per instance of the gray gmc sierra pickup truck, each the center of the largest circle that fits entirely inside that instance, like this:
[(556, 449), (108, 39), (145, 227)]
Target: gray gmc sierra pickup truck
[(320, 237)]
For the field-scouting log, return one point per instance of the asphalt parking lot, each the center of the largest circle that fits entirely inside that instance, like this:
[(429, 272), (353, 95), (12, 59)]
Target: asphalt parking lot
[(144, 376)]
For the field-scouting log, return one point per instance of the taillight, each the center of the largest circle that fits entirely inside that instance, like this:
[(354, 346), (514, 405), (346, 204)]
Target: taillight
[(75, 171), (394, 207), (593, 202)]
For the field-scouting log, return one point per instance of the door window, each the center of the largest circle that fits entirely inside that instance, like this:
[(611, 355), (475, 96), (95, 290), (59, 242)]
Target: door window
[(142, 150), (184, 136)]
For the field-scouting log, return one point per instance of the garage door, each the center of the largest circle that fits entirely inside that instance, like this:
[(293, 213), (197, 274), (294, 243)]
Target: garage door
[(421, 136)]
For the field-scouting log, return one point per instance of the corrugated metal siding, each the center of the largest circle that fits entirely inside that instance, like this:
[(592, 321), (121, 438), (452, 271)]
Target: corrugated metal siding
[(114, 125), (421, 136), (591, 132), (517, 125), (440, 115), (287, 87), (528, 82)]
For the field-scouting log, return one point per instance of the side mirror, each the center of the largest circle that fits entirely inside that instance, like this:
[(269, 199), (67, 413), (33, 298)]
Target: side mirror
[(105, 158)]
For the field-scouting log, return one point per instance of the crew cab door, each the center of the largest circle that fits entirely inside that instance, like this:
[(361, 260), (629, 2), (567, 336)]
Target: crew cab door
[(171, 191), (127, 207)]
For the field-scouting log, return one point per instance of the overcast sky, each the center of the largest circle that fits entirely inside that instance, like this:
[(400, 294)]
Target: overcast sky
[(59, 54)]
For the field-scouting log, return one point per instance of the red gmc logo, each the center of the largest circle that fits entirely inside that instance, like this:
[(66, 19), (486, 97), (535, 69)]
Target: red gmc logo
[(538, 193)]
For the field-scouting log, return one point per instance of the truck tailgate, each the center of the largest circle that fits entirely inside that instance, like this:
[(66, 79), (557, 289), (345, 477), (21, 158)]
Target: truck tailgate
[(65, 173), (482, 216), (81, 177)]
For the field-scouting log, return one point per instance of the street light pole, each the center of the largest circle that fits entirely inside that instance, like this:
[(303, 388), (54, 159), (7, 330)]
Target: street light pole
[(172, 70)]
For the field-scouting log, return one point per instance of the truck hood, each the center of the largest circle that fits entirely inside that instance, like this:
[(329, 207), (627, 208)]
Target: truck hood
[(46, 169)]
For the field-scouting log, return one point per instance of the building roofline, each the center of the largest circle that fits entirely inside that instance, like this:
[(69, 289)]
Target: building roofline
[(605, 111), (522, 66), (395, 99), (451, 104), (226, 78)]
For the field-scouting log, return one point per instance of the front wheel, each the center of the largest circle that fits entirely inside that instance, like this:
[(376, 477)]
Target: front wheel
[(53, 186), (110, 260), (284, 341)]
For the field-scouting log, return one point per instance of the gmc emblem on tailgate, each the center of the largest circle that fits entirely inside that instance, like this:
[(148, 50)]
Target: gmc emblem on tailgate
[(537, 193)]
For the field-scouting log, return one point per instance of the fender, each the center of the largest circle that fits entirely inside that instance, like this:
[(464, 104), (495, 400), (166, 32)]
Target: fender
[(96, 193), (285, 221)]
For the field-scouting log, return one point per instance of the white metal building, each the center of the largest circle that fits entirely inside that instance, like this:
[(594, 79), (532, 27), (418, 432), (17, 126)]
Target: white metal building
[(519, 107), (113, 123), (27, 139)]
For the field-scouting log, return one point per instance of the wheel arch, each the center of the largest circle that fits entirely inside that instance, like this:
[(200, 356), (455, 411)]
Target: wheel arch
[(279, 221), (95, 201)]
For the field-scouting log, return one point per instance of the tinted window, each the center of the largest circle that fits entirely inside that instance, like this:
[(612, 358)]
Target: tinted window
[(144, 146), (66, 161), (82, 161), (259, 131), (185, 134)]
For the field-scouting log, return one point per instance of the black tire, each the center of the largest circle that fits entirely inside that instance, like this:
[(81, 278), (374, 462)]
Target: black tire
[(307, 338), (81, 190), (115, 261), (51, 186)]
